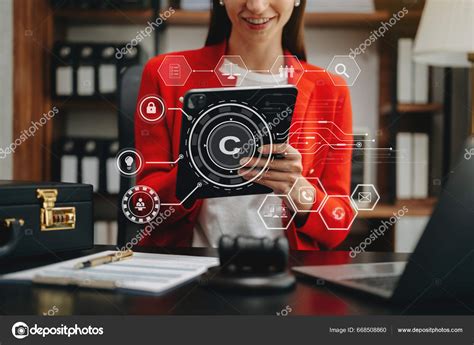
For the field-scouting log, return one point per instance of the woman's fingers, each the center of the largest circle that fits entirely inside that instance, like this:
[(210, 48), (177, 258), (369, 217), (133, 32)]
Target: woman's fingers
[(276, 186), (282, 149), (276, 164), (267, 175)]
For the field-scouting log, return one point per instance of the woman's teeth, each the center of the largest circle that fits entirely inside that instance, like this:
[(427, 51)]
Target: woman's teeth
[(258, 21)]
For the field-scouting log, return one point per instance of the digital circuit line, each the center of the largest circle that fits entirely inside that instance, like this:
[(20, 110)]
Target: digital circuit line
[(176, 161), (306, 132), (182, 110), (199, 185), (321, 122)]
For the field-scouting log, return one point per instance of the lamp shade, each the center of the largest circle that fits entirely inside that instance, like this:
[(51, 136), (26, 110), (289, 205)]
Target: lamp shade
[(445, 36)]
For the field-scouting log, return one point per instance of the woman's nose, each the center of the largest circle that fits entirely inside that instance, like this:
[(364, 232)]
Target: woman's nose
[(257, 6)]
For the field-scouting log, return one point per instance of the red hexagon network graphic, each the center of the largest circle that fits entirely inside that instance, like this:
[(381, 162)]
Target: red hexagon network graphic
[(175, 70), (231, 70), (287, 71), (335, 216)]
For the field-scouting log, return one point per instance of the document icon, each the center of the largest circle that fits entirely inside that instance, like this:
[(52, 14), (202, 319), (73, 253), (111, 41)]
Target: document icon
[(364, 197), (175, 71)]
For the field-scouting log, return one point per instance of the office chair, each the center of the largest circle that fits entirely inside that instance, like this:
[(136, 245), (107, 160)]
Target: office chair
[(128, 94)]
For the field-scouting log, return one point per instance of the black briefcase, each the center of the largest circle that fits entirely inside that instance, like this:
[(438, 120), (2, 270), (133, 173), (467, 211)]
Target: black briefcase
[(41, 217)]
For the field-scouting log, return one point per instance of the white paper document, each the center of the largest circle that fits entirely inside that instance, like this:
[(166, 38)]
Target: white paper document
[(143, 272)]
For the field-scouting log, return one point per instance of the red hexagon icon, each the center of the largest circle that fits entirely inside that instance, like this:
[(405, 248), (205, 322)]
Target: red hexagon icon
[(305, 195), (275, 213), (231, 70), (175, 70), (285, 70), (335, 216)]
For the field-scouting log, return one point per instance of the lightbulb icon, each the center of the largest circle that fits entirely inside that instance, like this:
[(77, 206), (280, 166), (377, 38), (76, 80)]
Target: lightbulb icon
[(129, 161)]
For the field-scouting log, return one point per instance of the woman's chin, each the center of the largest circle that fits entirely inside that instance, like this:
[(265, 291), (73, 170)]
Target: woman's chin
[(257, 36)]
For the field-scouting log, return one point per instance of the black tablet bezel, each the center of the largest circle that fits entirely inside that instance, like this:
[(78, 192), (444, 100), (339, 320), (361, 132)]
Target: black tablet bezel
[(268, 102)]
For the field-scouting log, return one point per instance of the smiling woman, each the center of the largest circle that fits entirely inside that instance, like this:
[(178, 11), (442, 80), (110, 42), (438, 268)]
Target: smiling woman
[(265, 40), (287, 17)]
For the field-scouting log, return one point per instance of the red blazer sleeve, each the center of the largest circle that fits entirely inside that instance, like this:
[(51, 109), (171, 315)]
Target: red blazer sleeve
[(154, 141), (335, 177)]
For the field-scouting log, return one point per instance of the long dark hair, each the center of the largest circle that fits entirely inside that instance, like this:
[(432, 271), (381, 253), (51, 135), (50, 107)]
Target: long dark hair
[(293, 32)]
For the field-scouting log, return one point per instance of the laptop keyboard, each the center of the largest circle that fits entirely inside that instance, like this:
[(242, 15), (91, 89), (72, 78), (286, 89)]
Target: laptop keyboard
[(387, 283)]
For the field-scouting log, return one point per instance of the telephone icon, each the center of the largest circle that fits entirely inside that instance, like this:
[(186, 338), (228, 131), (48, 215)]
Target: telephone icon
[(307, 195)]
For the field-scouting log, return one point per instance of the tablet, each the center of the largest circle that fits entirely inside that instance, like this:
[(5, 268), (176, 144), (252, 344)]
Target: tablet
[(219, 128)]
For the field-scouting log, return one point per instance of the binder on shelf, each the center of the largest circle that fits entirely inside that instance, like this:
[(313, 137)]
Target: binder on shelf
[(86, 81), (69, 162), (131, 58), (113, 176), (63, 72), (403, 166), (89, 70), (107, 71), (420, 167), (421, 81), (88, 160), (412, 78), (412, 167), (90, 167), (105, 233), (405, 71)]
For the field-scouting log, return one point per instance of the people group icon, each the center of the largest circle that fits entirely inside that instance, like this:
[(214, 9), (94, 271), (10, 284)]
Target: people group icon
[(140, 205), (276, 211), (286, 72)]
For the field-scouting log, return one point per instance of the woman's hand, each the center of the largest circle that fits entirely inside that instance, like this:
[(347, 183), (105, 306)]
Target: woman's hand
[(281, 175)]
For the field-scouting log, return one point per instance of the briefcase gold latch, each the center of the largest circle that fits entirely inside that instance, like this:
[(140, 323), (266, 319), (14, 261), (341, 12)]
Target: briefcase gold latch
[(55, 218)]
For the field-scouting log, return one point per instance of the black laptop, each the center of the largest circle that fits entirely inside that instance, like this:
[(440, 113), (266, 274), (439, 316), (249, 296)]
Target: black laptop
[(442, 265)]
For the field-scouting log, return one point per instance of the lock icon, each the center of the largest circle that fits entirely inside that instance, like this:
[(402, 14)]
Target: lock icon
[(151, 109)]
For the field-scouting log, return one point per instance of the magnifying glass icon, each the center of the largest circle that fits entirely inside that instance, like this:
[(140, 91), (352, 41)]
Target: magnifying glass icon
[(341, 69)]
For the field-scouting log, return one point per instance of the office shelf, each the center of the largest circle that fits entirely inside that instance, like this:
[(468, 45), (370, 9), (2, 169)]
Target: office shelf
[(126, 17), (337, 20), (408, 108), (416, 207), (75, 104), (184, 17)]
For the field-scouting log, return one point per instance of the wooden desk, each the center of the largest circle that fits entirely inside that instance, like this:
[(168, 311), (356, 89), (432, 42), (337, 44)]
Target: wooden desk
[(308, 298)]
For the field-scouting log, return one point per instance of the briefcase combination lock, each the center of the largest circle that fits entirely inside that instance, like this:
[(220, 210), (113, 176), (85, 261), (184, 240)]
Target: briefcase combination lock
[(38, 218), (55, 218)]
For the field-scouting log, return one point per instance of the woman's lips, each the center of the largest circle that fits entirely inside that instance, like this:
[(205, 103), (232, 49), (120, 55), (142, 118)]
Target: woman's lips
[(257, 23)]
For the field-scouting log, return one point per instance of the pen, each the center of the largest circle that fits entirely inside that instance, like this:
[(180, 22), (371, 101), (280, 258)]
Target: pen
[(104, 260)]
